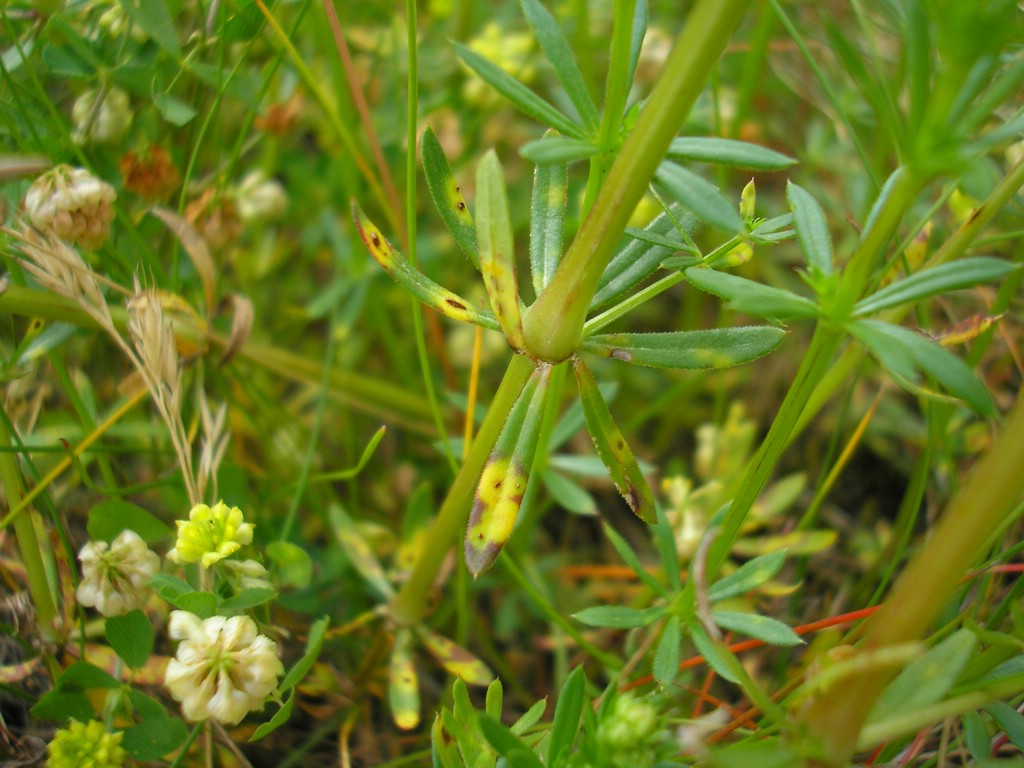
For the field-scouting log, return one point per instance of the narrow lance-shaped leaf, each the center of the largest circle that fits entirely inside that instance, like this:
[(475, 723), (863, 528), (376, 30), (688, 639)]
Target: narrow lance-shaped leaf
[(771, 631), (714, 348), (640, 258), (737, 154), (552, 149), (497, 252), (952, 276), (566, 721), (525, 100), (904, 353), (557, 51), (811, 229), (547, 221), (750, 296), (454, 658), (666, 657), (611, 446), (403, 685), (700, 196), (414, 281), (499, 494), (447, 196)]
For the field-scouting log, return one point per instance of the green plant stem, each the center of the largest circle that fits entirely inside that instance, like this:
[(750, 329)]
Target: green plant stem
[(816, 363), (953, 248), (28, 543), (554, 324), (410, 604), (990, 492)]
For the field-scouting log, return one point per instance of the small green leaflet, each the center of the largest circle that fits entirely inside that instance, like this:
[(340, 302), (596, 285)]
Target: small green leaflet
[(447, 196), (715, 348)]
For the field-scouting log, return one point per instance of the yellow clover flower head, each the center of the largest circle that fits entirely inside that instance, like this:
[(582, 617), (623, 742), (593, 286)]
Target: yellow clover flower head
[(210, 534), (86, 744)]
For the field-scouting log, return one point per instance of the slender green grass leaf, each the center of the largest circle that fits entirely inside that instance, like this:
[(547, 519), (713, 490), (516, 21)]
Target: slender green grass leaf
[(515, 751), (917, 52), (771, 631), (715, 654), (131, 637), (736, 154), (1009, 720), (874, 89), (557, 51), (497, 252), (666, 656), (358, 551), (499, 493), (928, 679), (525, 100), (414, 281), (905, 353), (547, 222), (630, 558), (699, 196), (403, 684), (618, 616), (447, 196), (641, 257), (611, 446), (748, 576), (714, 348), (811, 229), (552, 150), (454, 658), (951, 276), (155, 20), (568, 493), (751, 297), (566, 721)]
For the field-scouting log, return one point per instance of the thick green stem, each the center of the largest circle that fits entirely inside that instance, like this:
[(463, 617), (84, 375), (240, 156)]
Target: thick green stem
[(554, 324), (991, 491), (410, 603), (28, 542)]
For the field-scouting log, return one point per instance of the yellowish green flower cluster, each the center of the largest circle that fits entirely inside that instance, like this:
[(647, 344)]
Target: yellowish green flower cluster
[(210, 534), (86, 745)]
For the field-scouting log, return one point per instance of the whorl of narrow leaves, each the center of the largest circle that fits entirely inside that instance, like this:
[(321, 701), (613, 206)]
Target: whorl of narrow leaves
[(611, 446), (414, 281)]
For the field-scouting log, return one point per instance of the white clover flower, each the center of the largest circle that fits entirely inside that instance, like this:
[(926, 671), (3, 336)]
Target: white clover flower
[(223, 669), (210, 535), (72, 204), (115, 577)]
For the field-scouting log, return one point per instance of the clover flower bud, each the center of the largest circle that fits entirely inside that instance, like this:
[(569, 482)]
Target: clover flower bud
[(86, 745), (210, 534), (101, 122), (260, 199), (223, 668), (115, 577), (629, 726), (71, 204)]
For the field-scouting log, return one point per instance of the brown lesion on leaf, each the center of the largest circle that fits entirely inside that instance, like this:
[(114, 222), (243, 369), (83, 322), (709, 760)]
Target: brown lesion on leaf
[(375, 239), (621, 354), (974, 215), (455, 303), (633, 498), (460, 205)]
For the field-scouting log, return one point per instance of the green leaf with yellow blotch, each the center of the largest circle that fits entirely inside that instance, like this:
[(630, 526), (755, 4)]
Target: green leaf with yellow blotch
[(497, 251), (499, 493), (612, 447), (414, 281), (403, 685), (454, 658), (358, 551), (448, 197)]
